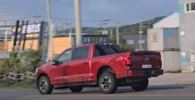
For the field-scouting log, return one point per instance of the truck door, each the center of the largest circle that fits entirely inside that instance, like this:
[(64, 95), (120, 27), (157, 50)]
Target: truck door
[(58, 71), (78, 68)]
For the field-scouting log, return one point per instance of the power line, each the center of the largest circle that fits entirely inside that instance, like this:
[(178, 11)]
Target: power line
[(94, 20)]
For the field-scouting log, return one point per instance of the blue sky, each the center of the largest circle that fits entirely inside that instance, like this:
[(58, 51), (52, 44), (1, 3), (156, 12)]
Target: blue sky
[(123, 11)]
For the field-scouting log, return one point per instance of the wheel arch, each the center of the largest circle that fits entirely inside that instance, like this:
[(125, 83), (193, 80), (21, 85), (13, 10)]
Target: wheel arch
[(103, 69)]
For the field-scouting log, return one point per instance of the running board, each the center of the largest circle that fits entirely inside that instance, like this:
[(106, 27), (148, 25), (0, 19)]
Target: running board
[(88, 84)]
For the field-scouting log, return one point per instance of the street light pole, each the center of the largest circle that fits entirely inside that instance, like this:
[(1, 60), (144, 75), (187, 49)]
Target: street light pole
[(78, 22)]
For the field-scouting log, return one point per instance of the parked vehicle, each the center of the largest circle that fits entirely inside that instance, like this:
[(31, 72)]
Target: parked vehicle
[(101, 65)]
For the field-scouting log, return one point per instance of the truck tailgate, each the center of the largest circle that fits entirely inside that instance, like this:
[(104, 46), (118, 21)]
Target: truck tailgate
[(145, 60)]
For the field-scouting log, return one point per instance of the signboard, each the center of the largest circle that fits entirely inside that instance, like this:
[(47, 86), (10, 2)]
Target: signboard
[(130, 41), (33, 30)]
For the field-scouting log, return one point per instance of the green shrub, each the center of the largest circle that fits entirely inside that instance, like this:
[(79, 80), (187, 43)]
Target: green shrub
[(20, 62)]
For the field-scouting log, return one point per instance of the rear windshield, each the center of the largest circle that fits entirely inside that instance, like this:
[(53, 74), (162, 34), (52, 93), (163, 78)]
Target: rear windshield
[(110, 49), (116, 48), (107, 49)]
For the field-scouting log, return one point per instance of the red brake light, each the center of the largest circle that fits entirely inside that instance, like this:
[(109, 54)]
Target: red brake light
[(126, 60)]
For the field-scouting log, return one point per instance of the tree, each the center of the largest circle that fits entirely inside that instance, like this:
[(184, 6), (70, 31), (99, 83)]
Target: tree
[(31, 59)]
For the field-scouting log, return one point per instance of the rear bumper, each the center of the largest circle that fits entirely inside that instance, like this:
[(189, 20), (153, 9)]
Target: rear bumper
[(145, 73)]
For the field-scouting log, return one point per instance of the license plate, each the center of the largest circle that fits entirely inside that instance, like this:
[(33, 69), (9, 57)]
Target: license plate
[(146, 66)]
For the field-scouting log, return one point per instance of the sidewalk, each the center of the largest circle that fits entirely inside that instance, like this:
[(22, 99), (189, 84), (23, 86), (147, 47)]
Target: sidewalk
[(173, 78)]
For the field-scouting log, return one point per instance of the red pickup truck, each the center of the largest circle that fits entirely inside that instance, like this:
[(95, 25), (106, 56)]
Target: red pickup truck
[(101, 65)]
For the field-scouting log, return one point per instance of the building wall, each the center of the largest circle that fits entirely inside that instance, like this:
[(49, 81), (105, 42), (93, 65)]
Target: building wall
[(59, 44), (163, 39), (171, 60), (170, 21), (155, 39), (28, 44), (187, 33), (2, 45)]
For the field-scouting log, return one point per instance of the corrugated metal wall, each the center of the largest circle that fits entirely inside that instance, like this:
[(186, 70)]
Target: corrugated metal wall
[(171, 39)]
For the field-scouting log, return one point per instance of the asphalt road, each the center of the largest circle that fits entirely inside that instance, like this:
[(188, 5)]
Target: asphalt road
[(167, 87)]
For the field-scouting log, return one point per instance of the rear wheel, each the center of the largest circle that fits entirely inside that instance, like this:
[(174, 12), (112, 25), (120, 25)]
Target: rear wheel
[(76, 89), (108, 83), (141, 85), (44, 85)]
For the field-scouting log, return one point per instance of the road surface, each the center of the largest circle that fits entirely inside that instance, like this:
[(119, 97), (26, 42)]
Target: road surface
[(166, 87)]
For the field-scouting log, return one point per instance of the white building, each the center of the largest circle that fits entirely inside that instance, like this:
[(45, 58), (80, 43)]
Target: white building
[(164, 38), (171, 21)]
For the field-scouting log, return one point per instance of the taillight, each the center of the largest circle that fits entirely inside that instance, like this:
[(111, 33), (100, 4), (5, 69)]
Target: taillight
[(126, 60)]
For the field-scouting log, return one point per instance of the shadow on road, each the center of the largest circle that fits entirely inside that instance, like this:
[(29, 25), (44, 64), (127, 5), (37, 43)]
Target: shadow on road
[(128, 89)]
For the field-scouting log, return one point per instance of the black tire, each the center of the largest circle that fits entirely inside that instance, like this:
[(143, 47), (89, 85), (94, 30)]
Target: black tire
[(47, 88), (76, 89), (113, 85), (141, 85)]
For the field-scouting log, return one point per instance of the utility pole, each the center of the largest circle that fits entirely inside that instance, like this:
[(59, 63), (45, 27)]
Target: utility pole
[(111, 34), (140, 35), (50, 30), (5, 42), (78, 22), (117, 35)]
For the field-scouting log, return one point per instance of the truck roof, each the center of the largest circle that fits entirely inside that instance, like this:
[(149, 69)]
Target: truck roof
[(89, 44)]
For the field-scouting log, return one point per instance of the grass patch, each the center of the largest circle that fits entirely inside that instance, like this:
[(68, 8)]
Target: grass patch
[(22, 84)]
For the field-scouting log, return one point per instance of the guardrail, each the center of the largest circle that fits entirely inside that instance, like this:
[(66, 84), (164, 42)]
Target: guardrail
[(17, 76), (4, 55)]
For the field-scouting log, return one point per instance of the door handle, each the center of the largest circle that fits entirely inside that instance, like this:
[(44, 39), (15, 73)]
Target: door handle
[(85, 63), (67, 66)]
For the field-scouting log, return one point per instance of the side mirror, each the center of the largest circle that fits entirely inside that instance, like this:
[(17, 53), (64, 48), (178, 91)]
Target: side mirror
[(54, 62)]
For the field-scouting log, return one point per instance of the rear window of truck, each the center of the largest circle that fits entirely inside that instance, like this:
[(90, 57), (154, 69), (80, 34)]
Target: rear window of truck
[(101, 50), (116, 48), (107, 49)]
